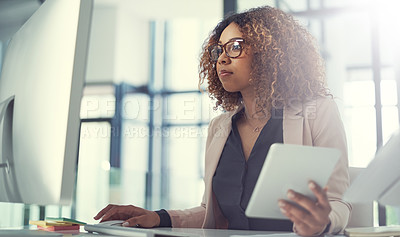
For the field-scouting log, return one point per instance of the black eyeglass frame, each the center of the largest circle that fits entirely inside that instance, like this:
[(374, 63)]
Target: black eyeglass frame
[(223, 48)]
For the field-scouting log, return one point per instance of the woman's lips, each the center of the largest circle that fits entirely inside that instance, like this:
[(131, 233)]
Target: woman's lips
[(224, 73)]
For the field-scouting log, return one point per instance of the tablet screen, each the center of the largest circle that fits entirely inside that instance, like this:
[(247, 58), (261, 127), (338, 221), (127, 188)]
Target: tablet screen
[(289, 167)]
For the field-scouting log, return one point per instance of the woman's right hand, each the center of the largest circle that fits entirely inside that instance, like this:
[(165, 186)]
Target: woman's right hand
[(133, 216)]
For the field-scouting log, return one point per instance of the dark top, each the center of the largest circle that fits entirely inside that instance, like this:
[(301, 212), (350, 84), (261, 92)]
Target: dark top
[(234, 178)]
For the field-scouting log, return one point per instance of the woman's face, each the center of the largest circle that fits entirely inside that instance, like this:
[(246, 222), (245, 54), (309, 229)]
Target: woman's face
[(234, 73)]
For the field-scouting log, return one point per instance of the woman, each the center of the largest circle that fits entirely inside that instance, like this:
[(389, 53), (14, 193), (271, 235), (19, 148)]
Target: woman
[(264, 69)]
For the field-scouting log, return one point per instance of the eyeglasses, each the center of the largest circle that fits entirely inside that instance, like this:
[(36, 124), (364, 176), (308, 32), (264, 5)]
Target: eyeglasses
[(233, 49)]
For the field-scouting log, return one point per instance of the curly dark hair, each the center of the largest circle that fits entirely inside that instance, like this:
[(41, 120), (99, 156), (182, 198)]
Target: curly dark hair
[(286, 65)]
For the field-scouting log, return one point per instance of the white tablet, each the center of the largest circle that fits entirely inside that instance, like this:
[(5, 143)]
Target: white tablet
[(289, 167)]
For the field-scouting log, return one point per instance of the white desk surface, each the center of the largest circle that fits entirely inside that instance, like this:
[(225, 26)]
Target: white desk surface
[(214, 232), (182, 232), (190, 232), (228, 233)]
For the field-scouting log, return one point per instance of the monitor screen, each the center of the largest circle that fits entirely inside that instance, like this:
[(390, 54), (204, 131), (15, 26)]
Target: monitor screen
[(41, 88)]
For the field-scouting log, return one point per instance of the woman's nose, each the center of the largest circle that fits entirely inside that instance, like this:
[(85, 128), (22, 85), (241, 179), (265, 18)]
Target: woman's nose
[(223, 58)]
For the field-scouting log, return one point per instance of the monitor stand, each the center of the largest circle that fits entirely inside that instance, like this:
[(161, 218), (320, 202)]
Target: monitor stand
[(8, 182)]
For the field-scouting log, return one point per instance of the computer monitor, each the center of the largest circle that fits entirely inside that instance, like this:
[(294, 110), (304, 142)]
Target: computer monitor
[(41, 88), (380, 181)]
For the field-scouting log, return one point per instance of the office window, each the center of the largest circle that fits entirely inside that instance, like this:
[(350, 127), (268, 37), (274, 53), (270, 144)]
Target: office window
[(95, 106), (114, 149), (96, 179), (135, 149), (359, 118), (344, 3), (182, 47), (389, 98), (245, 4), (178, 148), (288, 5), (93, 169), (182, 108), (156, 132), (184, 145), (12, 214)]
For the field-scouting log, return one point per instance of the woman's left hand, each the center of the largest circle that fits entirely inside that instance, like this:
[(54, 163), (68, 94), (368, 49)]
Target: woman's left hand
[(313, 217)]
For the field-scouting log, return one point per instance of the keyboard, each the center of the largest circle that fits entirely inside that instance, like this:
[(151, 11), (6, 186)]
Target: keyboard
[(115, 228)]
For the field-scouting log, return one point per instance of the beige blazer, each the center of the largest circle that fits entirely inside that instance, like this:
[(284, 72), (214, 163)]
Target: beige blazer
[(315, 123)]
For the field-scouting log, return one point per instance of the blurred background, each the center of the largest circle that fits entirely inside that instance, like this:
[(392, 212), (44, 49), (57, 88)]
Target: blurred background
[(144, 120)]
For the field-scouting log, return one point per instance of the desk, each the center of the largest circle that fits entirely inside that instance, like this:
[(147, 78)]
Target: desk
[(214, 232), (195, 232), (190, 232), (179, 232)]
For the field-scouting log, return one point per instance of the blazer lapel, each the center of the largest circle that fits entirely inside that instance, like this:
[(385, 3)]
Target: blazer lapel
[(213, 153), (293, 121), (217, 144)]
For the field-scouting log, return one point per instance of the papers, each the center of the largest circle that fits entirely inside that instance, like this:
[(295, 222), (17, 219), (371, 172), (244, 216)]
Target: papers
[(59, 228), (49, 223), (56, 224), (380, 231), (66, 220)]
